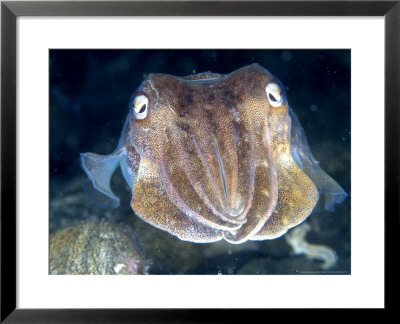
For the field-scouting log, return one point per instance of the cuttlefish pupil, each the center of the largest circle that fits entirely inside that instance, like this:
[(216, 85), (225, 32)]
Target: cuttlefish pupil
[(212, 156)]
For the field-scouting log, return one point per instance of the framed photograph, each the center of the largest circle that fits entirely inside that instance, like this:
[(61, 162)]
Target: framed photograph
[(156, 152), (199, 244)]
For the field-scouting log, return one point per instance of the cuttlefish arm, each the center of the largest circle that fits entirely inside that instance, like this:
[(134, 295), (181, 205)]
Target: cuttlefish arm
[(100, 168), (301, 183)]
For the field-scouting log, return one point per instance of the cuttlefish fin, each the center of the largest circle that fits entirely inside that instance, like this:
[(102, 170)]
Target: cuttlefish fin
[(332, 192), (100, 168), (328, 188)]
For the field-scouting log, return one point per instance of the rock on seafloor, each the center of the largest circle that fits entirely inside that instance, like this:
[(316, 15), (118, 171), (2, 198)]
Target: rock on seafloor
[(95, 248)]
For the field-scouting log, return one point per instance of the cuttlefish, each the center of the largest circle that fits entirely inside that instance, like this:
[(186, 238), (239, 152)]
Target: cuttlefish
[(211, 156)]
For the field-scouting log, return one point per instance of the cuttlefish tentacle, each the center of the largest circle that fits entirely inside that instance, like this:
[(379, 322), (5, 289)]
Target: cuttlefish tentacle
[(226, 155), (180, 173), (264, 196)]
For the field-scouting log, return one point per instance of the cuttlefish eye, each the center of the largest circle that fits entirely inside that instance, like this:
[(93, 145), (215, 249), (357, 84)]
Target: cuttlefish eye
[(140, 107), (274, 94)]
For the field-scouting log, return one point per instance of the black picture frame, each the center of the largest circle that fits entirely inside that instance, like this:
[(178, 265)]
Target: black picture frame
[(10, 10)]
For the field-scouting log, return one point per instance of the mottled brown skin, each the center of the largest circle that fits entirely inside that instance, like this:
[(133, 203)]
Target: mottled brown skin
[(192, 125), (214, 158)]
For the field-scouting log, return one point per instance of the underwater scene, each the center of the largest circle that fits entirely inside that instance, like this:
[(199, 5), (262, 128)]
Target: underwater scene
[(200, 162)]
